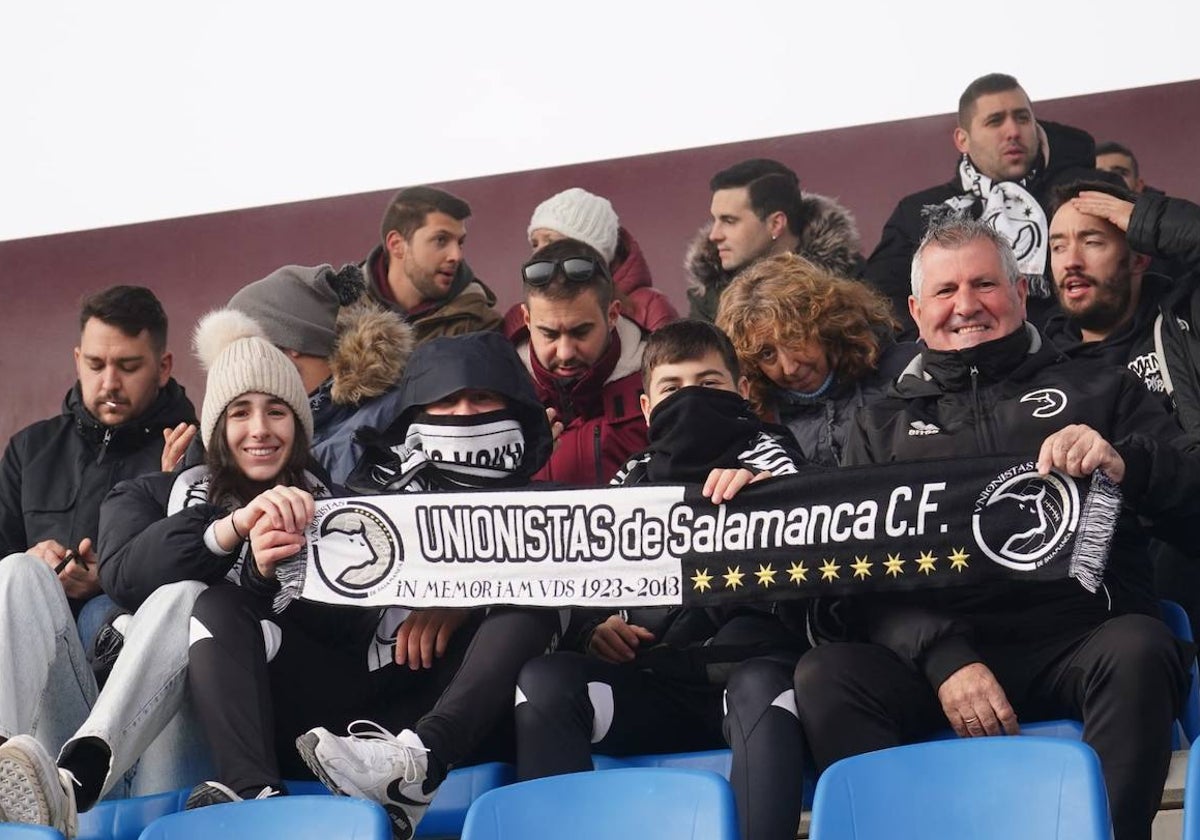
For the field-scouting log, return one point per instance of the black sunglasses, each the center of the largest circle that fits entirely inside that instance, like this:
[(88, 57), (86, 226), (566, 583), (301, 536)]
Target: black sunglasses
[(575, 269)]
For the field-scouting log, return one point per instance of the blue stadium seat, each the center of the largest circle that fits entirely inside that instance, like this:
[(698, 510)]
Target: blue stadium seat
[(19, 831), (983, 788), (448, 810), (624, 802), (714, 761), (1191, 797), (284, 817), (124, 819), (1189, 719)]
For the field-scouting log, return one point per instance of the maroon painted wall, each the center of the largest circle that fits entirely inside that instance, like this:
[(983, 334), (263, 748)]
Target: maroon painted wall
[(196, 263)]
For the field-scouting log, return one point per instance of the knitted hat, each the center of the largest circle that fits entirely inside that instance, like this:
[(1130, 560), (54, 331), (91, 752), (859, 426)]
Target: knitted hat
[(297, 306), (577, 214), (241, 360)]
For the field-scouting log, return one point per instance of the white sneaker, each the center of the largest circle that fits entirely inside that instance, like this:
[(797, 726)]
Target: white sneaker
[(372, 763), (33, 789)]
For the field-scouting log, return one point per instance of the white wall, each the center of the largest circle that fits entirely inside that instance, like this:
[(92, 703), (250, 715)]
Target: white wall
[(112, 113)]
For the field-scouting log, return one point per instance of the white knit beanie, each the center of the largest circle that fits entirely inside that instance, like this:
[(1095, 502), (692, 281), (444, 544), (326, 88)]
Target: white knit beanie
[(577, 214), (240, 360)]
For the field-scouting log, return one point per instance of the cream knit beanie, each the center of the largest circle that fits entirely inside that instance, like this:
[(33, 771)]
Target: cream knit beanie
[(234, 349), (577, 214)]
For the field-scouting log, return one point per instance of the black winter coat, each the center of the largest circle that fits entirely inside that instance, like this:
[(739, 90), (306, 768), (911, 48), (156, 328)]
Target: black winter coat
[(56, 472), (981, 405), (889, 269), (142, 547)]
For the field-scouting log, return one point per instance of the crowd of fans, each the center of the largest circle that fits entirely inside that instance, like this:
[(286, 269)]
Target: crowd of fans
[(1043, 301)]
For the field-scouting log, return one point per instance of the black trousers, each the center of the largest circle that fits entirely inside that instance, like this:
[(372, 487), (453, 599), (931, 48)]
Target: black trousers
[(253, 709), (1125, 679), (570, 704)]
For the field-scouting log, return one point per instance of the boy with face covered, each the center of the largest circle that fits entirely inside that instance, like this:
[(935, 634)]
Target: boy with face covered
[(470, 420), (652, 679)]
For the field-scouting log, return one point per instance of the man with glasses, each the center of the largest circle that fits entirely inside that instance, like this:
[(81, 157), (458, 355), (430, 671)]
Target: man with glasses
[(585, 358)]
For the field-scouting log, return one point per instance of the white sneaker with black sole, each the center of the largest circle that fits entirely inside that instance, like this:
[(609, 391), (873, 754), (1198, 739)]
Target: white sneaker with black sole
[(35, 790), (372, 763)]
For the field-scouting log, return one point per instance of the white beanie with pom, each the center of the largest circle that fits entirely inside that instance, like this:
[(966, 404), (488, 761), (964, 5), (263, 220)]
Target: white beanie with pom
[(241, 360)]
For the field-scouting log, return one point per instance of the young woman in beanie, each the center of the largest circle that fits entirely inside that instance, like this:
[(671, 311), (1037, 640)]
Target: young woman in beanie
[(230, 512)]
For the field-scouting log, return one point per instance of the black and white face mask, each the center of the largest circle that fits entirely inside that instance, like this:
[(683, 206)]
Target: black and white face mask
[(472, 450)]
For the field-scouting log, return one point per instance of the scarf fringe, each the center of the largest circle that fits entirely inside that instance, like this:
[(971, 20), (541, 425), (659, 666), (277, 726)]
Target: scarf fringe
[(1097, 523), (291, 575)]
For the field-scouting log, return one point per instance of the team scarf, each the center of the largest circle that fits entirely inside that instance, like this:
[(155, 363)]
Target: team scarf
[(1012, 211), (450, 452), (190, 488), (894, 527)]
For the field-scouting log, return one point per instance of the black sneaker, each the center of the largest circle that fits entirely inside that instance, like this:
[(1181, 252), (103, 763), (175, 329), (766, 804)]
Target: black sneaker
[(215, 793), (107, 646)]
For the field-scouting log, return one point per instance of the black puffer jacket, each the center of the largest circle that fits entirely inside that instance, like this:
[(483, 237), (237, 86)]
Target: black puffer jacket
[(889, 268), (56, 472), (152, 533), (821, 425), (1007, 396)]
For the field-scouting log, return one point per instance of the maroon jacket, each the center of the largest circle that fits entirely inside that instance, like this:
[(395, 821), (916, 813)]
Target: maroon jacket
[(631, 275), (601, 412)]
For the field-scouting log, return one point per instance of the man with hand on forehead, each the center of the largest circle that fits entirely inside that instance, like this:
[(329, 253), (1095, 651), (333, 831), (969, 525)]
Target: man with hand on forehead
[(585, 358)]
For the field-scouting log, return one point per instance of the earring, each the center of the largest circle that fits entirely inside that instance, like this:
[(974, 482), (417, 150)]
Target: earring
[(774, 236)]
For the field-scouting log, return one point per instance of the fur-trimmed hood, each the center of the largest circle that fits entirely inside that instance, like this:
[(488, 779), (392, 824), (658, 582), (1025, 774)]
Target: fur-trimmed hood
[(370, 354), (829, 238)]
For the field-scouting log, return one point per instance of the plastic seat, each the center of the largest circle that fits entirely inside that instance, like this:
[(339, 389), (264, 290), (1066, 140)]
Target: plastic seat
[(1189, 717), (124, 819), (1191, 797), (19, 831), (284, 817), (626, 802), (983, 788), (714, 761), (448, 811)]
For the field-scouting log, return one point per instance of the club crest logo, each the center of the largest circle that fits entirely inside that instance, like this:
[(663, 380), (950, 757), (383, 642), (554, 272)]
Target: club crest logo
[(1022, 520), (1050, 401), (358, 550)]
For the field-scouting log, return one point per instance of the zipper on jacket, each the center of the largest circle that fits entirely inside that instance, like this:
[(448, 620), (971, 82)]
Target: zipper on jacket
[(104, 444), (596, 450), (982, 429)]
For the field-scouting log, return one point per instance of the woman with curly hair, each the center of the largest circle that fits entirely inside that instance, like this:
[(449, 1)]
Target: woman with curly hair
[(814, 346)]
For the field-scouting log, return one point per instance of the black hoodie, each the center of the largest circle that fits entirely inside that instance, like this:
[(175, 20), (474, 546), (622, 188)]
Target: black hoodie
[(439, 368)]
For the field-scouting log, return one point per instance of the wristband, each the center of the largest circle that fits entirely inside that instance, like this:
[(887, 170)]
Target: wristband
[(236, 533)]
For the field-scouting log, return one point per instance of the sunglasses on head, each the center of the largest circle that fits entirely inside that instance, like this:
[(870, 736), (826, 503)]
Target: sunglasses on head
[(575, 269)]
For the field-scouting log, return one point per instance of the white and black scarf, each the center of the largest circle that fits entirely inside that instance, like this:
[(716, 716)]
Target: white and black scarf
[(1010, 209)]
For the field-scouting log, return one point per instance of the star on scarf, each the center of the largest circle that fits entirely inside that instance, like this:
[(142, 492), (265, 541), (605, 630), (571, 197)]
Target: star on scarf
[(798, 572), (829, 570), (733, 577), (862, 569), (925, 562), (702, 580), (894, 565), (958, 559), (765, 575)]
